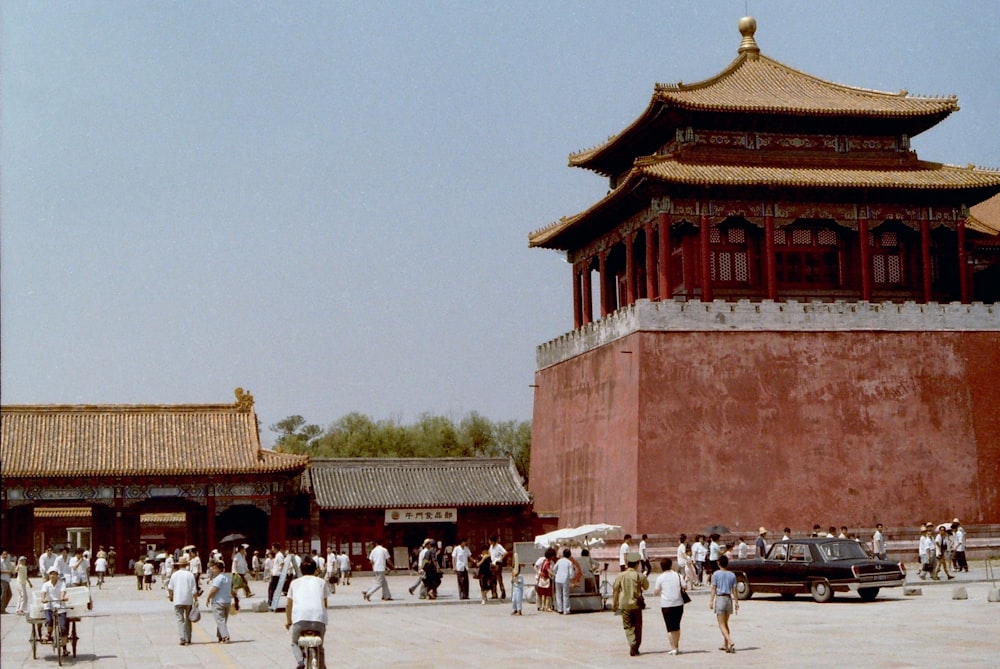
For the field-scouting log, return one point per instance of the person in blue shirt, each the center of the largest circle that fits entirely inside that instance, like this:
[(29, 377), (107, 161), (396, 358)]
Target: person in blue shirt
[(724, 601)]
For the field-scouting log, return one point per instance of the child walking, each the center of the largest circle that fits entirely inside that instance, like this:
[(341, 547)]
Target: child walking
[(517, 585)]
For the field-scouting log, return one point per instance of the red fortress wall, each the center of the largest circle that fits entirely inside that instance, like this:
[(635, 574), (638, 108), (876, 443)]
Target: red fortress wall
[(666, 431)]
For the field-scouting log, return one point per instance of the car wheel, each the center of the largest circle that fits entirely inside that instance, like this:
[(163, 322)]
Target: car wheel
[(868, 594), (743, 589), (821, 591)]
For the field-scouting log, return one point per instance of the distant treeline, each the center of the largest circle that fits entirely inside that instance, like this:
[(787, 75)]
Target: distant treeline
[(358, 436)]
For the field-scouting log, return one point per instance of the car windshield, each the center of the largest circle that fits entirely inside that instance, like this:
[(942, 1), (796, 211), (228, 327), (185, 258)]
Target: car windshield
[(843, 550)]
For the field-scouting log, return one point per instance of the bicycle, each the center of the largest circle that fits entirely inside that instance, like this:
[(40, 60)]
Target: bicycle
[(59, 642), (310, 642)]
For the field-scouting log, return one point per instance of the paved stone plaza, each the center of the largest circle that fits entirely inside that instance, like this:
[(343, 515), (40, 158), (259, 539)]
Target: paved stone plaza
[(136, 630)]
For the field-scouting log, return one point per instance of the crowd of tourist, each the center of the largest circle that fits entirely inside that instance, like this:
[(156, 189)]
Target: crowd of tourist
[(309, 579)]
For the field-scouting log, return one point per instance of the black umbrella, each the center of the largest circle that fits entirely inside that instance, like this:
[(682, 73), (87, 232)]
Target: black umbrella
[(717, 529), (232, 537)]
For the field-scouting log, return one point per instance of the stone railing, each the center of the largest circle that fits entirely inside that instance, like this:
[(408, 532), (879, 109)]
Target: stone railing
[(770, 316)]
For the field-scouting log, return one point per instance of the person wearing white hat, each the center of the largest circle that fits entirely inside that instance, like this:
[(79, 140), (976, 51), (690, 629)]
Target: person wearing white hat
[(761, 544), (181, 591), (53, 592)]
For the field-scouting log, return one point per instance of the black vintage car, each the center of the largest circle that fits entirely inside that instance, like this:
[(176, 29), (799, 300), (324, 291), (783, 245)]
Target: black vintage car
[(818, 567)]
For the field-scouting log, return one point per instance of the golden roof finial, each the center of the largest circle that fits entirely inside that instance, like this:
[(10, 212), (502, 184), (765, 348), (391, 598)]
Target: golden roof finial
[(244, 400), (748, 26)]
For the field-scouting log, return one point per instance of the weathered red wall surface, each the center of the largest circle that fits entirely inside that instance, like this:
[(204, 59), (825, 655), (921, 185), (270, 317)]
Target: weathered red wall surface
[(585, 415), (772, 428)]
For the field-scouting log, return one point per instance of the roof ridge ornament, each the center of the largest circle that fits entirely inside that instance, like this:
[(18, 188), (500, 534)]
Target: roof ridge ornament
[(748, 26)]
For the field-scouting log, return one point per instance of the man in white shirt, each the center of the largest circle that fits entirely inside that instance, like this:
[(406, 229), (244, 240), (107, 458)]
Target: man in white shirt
[(623, 551), (62, 564), (565, 570), (54, 592), (345, 567), (195, 567), (181, 591), (306, 609), (497, 555), (332, 568), (878, 543), (926, 549), (46, 562), (460, 560), (241, 568), (644, 562), (961, 564), (381, 562), (277, 564), (78, 567)]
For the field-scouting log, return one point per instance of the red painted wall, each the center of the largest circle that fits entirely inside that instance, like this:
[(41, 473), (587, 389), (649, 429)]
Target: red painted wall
[(772, 428)]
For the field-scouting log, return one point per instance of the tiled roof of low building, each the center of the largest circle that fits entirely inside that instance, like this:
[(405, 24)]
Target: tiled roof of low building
[(985, 216), (375, 483), (40, 441)]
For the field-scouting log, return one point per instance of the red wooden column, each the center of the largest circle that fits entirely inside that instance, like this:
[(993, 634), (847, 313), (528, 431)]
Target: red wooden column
[(925, 257), (210, 517), (706, 260), (630, 291), (588, 295), (577, 306), (865, 257), (963, 267), (770, 265), (119, 519), (651, 283), (602, 270), (665, 291)]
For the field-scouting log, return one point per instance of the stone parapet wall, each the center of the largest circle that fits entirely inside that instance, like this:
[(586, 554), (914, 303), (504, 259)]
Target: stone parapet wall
[(770, 316)]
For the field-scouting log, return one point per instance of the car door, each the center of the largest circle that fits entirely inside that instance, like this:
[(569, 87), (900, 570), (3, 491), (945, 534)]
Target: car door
[(770, 576), (797, 568)]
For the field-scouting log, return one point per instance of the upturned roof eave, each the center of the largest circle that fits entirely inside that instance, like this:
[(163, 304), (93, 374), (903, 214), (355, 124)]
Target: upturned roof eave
[(556, 236), (929, 111)]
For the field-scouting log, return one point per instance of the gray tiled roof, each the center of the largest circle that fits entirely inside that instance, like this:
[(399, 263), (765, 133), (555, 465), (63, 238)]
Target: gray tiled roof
[(376, 483)]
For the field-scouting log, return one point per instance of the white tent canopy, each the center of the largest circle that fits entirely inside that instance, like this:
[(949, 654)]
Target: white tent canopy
[(585, 535)]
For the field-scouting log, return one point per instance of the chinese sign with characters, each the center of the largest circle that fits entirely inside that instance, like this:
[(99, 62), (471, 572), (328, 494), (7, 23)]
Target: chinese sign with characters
[(421, 515)]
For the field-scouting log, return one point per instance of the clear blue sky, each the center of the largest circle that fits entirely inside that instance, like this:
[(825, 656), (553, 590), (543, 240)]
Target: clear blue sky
[(328, 203)]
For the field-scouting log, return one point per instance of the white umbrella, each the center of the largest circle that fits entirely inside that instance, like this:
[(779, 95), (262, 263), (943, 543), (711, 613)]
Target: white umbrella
[(584, 535)]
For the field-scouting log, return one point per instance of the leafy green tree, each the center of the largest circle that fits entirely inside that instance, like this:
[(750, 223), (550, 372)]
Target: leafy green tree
[(294, 434), (356, 435)]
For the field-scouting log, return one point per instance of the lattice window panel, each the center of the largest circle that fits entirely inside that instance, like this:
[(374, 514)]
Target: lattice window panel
[(802, 237), (737, 236), (729, 266), (895, 270), (780, 238), (714, 236), (887, 269), (890, 239), (878, 269), (828, 237), (742, 267)]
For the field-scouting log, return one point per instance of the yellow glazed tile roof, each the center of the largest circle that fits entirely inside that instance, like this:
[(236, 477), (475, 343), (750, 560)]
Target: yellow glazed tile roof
[(927, 175), (985, 216), (757, 84), (41, 441), (923, 176)]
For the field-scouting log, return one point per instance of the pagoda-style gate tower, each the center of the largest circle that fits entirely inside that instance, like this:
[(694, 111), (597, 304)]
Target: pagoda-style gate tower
[(779, 316)]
